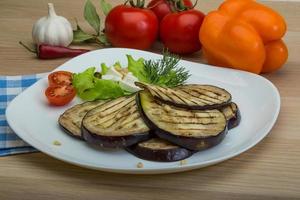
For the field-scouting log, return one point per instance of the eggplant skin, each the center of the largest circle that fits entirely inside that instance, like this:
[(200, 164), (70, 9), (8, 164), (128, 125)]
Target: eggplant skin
[(162, 155), (114, 141), (235, 120), (190, 143), (194, 144), (70, 133)]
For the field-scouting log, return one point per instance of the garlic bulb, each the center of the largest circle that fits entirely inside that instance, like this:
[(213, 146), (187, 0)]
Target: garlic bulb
[(52, 29)]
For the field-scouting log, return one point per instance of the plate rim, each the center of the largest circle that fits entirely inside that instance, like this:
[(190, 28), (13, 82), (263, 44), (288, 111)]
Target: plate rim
[(161, 170)]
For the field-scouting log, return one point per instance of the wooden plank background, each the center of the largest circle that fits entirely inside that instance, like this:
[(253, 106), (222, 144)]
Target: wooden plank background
[(270, 170)]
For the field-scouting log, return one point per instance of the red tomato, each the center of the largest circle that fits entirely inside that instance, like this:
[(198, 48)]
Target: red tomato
[(60, 95), (60, 78), (131, 27), (179, 31), (161, 7)]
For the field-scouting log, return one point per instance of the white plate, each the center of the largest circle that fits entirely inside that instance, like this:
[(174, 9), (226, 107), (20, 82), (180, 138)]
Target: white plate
[(35, 121)]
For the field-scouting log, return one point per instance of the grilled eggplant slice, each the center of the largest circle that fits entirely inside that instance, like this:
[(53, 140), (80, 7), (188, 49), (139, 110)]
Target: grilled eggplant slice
[(193, 96), (191, 129), (157, 149), (71, 119), (115, 124), (232, 115)]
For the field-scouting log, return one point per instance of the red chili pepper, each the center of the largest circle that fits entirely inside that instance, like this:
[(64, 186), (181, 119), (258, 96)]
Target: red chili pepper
[(50, 52)]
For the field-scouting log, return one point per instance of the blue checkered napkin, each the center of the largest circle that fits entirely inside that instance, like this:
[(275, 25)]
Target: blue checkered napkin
[(10, 87)]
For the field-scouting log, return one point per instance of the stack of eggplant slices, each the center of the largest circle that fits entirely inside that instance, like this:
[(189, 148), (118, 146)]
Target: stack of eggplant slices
[(157, 123)]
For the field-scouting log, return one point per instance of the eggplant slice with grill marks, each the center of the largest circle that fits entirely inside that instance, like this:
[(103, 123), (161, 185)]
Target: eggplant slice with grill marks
[(192, 96), (157, 149), (70, 120), (232, 114), (115, 124), (191, 129)]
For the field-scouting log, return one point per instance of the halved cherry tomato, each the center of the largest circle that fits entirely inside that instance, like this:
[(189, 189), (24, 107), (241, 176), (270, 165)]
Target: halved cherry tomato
[(60, 95), (60, 78)]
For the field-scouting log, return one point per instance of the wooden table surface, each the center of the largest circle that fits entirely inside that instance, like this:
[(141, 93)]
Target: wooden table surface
[(270, 170)]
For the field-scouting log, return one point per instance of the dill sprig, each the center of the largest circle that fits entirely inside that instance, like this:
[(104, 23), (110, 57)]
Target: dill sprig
[(165, 71)]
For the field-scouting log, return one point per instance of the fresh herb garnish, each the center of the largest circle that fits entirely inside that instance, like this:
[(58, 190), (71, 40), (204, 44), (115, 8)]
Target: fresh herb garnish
[(164, 72), (92, 17)]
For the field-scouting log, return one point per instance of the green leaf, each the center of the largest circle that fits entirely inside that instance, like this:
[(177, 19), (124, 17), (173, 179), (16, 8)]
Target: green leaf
[(127, 93), (90, 88), (105, 7), (84, 80), (103, 89), (91, 16), (103, 39), (104, 68), (117, 65), (108, 89), (137, 68), (89, 95), (80, 36)]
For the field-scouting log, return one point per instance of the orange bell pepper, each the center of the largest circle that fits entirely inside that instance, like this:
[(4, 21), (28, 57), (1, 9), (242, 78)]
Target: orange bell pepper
[(245, 35)]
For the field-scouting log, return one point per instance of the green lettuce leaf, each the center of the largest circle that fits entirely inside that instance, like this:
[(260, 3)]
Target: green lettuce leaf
[(84, 80), (103, 89), (90, 88), (137, 68), (104, 68), (108, 89), (117, 65), (89, 95)]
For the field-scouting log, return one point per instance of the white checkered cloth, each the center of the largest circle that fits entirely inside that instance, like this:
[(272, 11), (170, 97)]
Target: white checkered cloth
[(10, 87)]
